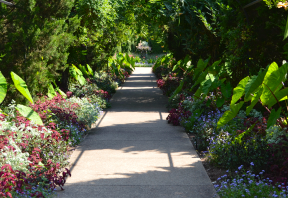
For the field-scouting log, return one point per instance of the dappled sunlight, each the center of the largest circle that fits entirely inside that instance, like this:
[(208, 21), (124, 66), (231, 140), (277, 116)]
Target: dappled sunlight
[(134, 146), (120, 118), (98, 171), (140, 81), (133, 152), (151, 87)]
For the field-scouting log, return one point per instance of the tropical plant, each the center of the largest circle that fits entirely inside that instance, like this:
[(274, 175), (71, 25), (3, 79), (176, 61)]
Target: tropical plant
[(208, 79), (267, 88), (21, 86)]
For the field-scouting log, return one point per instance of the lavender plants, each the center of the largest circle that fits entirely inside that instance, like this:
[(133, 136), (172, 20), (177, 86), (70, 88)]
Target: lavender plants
[(247, 184)]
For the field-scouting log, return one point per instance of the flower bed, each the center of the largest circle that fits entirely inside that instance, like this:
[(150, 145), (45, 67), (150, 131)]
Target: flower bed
[(34, 157), (253, 139)]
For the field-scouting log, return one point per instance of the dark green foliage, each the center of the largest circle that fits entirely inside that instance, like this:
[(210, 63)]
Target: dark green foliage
[(35, 37), (237, 153), (104, 26), (245, 39), (41, 38)]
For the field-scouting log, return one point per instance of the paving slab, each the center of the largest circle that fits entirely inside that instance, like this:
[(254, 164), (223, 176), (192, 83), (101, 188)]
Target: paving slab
[(140, 191), (133, 152)]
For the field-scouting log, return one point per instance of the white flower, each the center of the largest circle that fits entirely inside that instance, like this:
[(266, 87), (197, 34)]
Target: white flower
[(281, 4)]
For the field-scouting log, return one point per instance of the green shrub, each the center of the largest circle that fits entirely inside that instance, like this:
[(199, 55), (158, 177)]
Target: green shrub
[(230, 151), (105, 82), (87, 112)]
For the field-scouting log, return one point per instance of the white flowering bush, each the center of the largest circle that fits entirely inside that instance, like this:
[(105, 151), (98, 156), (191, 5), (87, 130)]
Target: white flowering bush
[(29, 136), (275, 134), (191, 104), (17, 159), (105, 82), (32, 158), (87, 112)]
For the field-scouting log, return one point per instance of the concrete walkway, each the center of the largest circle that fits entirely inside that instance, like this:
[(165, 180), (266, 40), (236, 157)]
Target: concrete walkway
[(133, 152)]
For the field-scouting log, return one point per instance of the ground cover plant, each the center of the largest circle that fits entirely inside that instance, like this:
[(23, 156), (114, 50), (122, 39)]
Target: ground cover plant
[(246, 183)]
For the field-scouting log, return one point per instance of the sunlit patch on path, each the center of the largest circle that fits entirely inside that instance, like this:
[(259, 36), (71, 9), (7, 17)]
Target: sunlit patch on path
[(133, 152)]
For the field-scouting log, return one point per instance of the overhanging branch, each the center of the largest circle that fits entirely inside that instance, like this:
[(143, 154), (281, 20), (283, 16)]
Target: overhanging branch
[(7, 3), (252, 3)]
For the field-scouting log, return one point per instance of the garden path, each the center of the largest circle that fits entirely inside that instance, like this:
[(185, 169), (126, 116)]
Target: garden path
[(133, 152)]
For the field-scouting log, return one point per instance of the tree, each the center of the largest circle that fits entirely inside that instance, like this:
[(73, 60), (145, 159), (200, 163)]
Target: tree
[(34, 37)]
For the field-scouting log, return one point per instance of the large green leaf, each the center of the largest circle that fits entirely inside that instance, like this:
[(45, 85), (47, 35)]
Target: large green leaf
[(127, 57), (178, 90), (239, 91), (61, 92), (280, 95), (205, 85), (215, 68), (286, 30), (254, 101), (254, 83), (83, 70), (272, 67), (28, 113), (226, 90), (198, 93), (3, 87), (115, 69), (199, 80), (81, 80), (217, 83), (90, 70), (78, 75), (201, 65), (273, 82), (187, 63), (130, 60), (78, 71), (119, 57), (220, 102), (274, 115), (51, 91), (230, 114), (21, 86), (177, 65), (73, 72)]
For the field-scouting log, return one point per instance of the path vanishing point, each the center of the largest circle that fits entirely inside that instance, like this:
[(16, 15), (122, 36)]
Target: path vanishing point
[(134, 153)]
